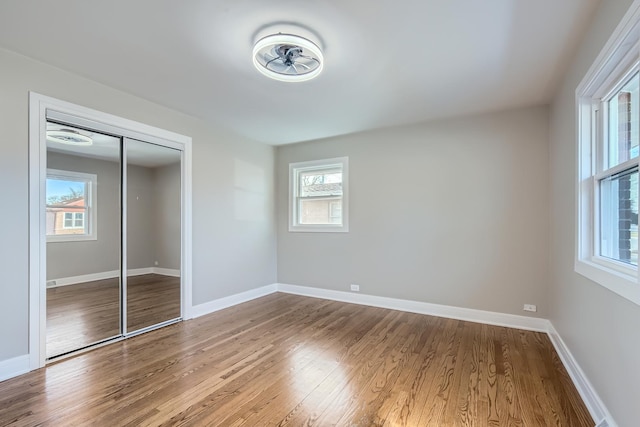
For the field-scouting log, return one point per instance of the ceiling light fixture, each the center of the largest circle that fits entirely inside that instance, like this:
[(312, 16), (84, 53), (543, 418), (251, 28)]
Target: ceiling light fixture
[(69, 137), (288, 58)]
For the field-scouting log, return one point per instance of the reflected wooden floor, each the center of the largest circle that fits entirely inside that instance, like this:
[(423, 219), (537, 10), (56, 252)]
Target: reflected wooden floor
[(294, 361), (85, 313)]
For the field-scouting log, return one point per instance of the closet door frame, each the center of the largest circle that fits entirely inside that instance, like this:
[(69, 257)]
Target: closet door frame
[(40, 109)]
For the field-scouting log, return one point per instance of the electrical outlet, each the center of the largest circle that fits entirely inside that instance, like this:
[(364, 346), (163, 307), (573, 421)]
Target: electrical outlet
[(355, 288), (530, 307), (155, 262)]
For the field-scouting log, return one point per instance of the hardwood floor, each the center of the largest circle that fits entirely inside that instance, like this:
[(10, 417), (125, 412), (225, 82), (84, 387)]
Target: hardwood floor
[(291, 361), (85, 313)]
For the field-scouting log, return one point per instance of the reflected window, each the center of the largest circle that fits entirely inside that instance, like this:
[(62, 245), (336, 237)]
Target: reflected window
[(70, 206)]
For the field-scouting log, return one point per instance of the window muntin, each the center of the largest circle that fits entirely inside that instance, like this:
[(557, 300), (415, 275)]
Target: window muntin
[(70, 206), (318, 195)]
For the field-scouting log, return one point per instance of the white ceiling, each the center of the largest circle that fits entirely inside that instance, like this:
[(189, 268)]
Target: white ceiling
[(387, 62)]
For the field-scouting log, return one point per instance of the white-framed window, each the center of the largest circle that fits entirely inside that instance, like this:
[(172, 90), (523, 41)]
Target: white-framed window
[(71, 208), (608, 112), (318, 195), (73, 220)]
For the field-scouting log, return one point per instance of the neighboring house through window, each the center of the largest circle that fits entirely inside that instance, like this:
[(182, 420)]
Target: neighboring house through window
[(70, 206), (608, 107), (318, 195)]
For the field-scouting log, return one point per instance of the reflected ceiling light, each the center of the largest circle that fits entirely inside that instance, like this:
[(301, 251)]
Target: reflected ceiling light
[(69, 137), (287, 57)]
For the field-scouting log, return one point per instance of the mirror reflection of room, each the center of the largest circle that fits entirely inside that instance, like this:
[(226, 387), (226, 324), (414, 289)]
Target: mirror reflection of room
[(86, 293), (83, 238), (153, 234)]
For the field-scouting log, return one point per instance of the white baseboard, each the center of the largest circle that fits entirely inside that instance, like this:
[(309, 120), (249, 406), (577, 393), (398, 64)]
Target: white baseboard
[(139, 271), (65, 281), (222, 303), (165, 271), (468, 314), (73, 280), (594, 404), (13, 367)]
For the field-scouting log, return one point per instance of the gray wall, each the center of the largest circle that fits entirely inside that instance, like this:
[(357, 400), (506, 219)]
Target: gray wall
[(599, 327), (167, 216), (141, 224), (229, 172), (450, 212)]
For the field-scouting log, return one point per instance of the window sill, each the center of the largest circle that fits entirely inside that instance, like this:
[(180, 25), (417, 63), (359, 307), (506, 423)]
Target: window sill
[(318, 229), (68, 238), (625, 285)]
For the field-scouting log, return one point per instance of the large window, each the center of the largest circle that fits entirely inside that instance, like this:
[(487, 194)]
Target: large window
[(71, 206), (608, 102), (318, 195)]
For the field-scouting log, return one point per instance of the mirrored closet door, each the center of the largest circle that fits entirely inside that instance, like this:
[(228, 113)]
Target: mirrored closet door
[(153, 234), (83, 238), (113, 219)]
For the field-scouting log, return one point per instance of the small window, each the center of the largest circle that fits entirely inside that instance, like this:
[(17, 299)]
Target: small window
[(74, 220), (318, 195), (608, 107), (70, 206)]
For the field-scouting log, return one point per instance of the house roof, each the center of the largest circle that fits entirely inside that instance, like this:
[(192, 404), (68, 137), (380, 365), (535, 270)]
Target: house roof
[(65, 204)]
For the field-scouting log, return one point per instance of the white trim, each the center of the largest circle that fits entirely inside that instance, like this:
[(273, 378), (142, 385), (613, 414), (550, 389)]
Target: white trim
[(41, 107), (186, 260), (594, 404), (13, 367), (165, 271), (90, 221), (37, 230), (467, 314), (231, 300), (294, 169), (73, 280)]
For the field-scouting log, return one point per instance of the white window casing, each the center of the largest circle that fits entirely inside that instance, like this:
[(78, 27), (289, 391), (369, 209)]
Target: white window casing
[(89, 215), (330, 204)]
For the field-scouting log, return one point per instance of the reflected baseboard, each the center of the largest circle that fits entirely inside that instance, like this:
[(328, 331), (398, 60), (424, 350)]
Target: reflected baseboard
[(165, 271), (74, 280)]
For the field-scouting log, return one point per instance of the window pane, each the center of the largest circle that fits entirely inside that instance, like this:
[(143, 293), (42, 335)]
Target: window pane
[(68, 220), (64, 198), (320, 211), (320, 183), (619, 217), (623, 123), (79, 220)]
